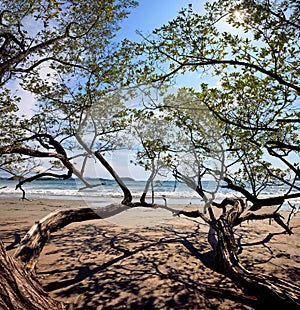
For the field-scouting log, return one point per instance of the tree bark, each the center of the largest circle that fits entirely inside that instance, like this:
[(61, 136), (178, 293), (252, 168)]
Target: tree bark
[(271, 292), (34, 241), (149, 182), (19, 290)]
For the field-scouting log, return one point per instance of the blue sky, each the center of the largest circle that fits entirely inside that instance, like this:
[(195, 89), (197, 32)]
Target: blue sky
[(153, 13), (149, 14)]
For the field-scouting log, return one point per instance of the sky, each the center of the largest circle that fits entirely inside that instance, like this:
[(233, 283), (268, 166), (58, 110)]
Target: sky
[(149, 15)]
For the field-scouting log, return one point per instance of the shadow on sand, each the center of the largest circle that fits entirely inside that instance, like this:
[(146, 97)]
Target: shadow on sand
[(107, 267)]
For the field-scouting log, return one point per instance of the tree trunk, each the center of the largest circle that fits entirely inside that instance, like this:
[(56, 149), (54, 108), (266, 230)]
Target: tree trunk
[(19, 290), (149, 182), (271, 292)]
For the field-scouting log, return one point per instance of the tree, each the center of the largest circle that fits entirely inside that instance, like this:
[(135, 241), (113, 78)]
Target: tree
[(256, 106), (71, 55), (247, 113), (60, 52)]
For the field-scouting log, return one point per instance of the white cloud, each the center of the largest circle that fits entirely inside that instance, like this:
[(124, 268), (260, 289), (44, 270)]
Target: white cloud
[(27, 103)]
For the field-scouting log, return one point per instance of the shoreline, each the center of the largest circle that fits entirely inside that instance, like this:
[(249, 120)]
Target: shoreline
[(112, 264), (111, 193)]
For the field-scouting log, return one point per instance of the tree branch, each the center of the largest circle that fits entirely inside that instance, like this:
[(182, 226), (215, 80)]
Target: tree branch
[(206, 62), (127, 194)]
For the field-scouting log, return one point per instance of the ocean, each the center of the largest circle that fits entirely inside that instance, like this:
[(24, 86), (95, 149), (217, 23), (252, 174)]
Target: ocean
[(109, 192)]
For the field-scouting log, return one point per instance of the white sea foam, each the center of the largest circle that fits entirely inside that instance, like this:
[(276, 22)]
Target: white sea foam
[(69, 190)]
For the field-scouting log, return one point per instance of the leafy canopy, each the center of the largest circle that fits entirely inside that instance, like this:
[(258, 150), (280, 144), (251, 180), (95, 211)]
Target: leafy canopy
[(246, 57), (63, 53)]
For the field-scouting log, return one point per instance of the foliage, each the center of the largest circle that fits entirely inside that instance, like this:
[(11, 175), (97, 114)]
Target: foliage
[(243, 116), (65, 55), (247, 53)]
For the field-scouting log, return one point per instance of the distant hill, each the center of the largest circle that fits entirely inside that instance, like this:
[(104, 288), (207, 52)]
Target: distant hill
[(128, 179), (16, 178), (102, 179)]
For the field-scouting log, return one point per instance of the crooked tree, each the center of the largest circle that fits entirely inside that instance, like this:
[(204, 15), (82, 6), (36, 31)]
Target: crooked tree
[(255, 65), (57, 54), (254, 107), (62, 56)]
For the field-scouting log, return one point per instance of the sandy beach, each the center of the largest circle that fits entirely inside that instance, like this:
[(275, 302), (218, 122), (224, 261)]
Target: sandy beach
[(145, 259)]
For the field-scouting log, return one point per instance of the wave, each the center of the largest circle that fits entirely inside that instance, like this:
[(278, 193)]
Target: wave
[(69, 190)]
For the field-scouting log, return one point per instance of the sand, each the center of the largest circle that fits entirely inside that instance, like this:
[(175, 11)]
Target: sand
[(145, 259)]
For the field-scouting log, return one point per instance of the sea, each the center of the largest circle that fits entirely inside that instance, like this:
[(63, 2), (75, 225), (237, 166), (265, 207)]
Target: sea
[(108, 191)]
